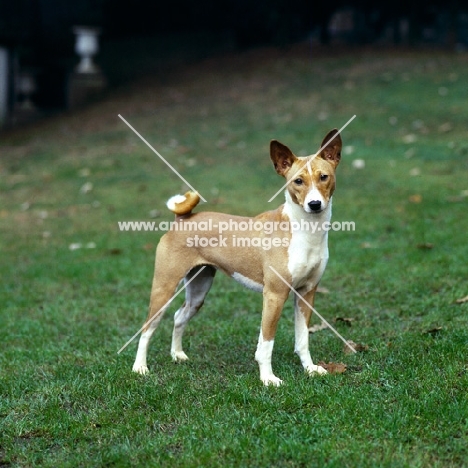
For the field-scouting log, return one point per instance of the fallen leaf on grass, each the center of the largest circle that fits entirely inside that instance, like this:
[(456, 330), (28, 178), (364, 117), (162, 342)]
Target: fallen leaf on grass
[(433, 331), (445, 127), (154, 213), (357, 347), (359, 164), (415, 198), (410, 138), (316, 328), (323, 290), (455, 199), (462, 300), (443, 91), (115, 251), (409, 153), (347, 150), (333, 367), (425, 246), (347, 320), (86, 188)]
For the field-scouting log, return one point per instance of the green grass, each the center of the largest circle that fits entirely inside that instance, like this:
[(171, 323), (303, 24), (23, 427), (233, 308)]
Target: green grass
[(68, 399)]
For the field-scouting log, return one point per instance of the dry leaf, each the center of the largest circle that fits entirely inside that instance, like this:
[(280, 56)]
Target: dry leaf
[(361, 347), (410, 138), (415, 198), (462, 300), (425, 246), (409, 153), (316, 328), (86, 188), (445, 127), (433, 331), (323, 290), (154, 213), (358, 347), (346, 320), (333, 367), (359, 164), (347, 150)]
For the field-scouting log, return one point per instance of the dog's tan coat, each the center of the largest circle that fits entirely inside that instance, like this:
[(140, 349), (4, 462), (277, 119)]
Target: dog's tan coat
[(301, 263)]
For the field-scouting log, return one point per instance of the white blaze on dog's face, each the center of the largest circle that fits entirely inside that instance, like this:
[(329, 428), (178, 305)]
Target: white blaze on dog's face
[(311, 179)]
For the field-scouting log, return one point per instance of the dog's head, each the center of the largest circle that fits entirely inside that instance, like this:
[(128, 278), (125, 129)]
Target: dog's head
[(311, 179)]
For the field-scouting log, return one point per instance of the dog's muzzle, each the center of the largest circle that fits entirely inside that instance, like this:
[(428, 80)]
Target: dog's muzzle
[(315, 205)]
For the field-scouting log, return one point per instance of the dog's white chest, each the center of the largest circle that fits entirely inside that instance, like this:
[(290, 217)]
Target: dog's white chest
[(307, 258), (308, 247)]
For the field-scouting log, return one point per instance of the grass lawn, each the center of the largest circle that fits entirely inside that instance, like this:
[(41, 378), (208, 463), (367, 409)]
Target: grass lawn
[(67, 397)]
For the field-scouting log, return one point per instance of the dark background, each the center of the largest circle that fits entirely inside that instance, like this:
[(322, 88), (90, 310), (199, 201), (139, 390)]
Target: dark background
[(142, 36), (46, 24)]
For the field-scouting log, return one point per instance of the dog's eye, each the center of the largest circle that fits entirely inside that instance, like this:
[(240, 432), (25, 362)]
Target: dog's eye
[(298, 181), (323, 177)]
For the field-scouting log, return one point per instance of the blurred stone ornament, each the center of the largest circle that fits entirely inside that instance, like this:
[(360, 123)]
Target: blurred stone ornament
[(26, 87), (86, 46)]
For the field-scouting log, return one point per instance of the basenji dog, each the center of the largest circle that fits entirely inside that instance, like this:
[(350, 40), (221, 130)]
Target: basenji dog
[(297, 256)]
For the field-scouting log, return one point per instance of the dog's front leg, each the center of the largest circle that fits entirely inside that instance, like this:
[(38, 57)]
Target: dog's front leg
[(302, 314), (273, 303)]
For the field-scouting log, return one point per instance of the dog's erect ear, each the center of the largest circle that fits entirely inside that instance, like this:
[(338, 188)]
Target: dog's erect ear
[(331, 147), (282, 157)]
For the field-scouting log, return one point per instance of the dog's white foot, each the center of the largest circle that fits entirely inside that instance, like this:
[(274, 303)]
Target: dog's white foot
[(179, 356), (312, 370), (140, 369), (271, 380)]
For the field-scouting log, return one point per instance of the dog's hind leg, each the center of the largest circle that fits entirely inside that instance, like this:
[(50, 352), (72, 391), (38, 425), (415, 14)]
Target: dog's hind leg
[(194, 298), (164, 284)]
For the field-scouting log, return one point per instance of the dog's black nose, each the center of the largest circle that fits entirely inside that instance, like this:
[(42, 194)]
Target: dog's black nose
[(315, 205)]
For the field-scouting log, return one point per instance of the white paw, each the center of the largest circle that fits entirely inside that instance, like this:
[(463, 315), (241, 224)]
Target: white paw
[(271, 380), (311, 370), (140, 369), (178, 356)]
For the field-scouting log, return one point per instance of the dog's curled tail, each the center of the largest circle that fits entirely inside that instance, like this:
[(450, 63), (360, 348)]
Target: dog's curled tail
[(183, 204)]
